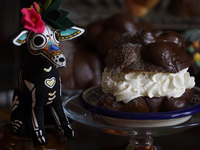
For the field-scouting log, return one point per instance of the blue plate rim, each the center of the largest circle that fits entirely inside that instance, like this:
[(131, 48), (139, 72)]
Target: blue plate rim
[(136, 116)]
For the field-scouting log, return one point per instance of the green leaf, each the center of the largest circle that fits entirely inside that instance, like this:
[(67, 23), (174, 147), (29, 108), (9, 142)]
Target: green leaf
[(190, 49), (198, 63), (47, 4)]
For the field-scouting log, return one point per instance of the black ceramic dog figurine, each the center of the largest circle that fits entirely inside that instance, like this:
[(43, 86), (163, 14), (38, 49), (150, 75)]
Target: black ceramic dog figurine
[(39, 83)]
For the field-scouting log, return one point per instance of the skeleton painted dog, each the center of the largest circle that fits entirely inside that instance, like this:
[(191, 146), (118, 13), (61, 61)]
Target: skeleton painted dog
[(39, 83)]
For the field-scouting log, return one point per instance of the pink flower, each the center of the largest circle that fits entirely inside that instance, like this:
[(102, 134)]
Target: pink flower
[(32, 20)]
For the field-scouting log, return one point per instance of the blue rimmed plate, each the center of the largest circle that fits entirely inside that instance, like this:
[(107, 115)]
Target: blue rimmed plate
[(89, 99)]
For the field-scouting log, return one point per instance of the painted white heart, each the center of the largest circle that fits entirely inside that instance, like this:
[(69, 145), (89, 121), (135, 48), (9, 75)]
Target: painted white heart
[(50, 82)]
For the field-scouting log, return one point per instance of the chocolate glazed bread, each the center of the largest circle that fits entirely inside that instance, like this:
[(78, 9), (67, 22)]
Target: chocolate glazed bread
[(144, 53)]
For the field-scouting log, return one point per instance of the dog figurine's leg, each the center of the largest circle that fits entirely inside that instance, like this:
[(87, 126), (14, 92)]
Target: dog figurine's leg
[(17, 121), (61, 120), (38, 121), (21, 106), (19, 116)]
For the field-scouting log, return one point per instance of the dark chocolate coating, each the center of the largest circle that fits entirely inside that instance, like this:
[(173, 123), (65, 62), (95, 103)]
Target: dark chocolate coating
[(178, 103), (146, 104), (146, 52)]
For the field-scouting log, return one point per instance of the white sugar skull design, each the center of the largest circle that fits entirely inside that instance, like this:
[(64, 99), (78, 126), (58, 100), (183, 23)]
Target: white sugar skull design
[(47, 43)]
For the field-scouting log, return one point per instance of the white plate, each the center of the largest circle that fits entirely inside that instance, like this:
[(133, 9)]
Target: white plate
[(145, 123)]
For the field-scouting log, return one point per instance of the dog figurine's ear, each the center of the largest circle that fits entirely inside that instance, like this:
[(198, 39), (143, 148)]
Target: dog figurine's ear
[(70, 33), (20, 38)]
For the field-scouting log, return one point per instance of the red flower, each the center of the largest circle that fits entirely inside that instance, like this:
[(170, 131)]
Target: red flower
[(32, 20)]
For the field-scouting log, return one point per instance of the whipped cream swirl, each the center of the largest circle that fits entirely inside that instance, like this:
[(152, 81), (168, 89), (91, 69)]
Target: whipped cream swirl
[(126, 87)]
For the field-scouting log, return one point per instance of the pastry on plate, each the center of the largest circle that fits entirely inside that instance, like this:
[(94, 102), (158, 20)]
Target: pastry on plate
[(147, 73)]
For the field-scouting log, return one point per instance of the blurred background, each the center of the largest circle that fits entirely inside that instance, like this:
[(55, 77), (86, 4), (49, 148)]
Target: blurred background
[(103, 21)]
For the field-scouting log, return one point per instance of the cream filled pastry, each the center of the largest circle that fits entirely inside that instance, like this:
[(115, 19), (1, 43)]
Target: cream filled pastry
[(126, 87), (145, 73)]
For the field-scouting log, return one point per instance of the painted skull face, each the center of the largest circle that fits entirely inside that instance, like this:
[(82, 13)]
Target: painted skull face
[(47, 45)]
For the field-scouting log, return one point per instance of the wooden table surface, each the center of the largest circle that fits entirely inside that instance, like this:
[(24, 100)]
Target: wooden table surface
[(90, 138)]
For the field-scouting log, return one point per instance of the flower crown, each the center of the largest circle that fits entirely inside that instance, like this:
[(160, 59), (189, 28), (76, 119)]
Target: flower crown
[(37, 15)]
